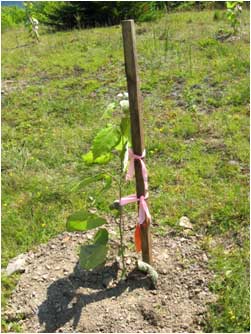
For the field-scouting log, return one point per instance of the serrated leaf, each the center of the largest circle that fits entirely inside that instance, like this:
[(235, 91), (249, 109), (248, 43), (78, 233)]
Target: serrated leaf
[(103, 159), (91, 256), (101, 237), (105, 141), (83, 221)]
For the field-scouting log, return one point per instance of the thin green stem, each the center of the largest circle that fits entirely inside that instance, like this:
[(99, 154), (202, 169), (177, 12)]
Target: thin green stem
[(121, 222)]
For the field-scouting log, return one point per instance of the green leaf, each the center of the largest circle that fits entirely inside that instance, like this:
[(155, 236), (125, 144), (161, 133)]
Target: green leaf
[(231, 4), (119, 147), (88, 157), (125, 128), (105, 141), (103, 159), (91, 256), (101, 237), (83, 221)]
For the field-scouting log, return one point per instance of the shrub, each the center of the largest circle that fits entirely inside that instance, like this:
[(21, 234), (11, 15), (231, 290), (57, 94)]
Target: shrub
[(11, 17), (64, 15)]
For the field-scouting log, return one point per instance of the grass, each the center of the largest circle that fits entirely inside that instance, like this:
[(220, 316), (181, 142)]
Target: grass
[(196, 95), (233, 274)]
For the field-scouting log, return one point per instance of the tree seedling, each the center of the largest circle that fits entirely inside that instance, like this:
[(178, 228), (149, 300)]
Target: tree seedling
[(125, 141), (234, 9)]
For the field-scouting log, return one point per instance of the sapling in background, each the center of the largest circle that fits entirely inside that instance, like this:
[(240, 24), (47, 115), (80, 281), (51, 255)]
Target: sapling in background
[(31, 22), (234, 9)]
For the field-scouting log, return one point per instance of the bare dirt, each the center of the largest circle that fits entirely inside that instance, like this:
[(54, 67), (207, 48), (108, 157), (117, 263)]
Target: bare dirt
[(55, 295)]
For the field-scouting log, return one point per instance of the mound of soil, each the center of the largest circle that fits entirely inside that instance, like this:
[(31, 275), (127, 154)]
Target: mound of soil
[(55, 295)]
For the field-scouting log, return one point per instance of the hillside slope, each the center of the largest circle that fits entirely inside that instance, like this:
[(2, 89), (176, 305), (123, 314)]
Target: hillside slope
[(196, 93)]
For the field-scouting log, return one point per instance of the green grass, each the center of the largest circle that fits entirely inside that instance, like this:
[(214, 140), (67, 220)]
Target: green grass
[(196, 94), (231, 284)]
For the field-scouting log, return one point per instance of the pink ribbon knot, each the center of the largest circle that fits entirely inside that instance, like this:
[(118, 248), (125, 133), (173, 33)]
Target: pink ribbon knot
[(131, 169), (143, 208)]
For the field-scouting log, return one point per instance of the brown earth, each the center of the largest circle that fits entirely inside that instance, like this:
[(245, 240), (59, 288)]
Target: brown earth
[(55, 295)]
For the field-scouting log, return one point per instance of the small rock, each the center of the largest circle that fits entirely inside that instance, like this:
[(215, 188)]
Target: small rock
[(17, 264), (30, 256), (44, 277), (94, 210), (202, 295), (185, 222), (10, 315), (204, 257), (150, 316), (233, 163), (119, 262), (65, 239), (107, 281), (199, 281)]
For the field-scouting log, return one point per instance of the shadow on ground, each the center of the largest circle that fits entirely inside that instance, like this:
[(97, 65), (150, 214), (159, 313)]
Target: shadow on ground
[(66, 302)]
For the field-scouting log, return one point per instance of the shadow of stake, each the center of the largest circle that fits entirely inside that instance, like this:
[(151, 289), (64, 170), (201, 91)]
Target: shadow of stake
[(65, 303)]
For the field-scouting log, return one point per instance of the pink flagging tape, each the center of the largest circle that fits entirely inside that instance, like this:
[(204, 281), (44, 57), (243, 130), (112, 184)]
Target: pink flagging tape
[(143, 208), (131, 171)]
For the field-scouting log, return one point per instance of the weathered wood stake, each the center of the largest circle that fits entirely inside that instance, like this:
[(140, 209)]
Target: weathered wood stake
[(135, 102)]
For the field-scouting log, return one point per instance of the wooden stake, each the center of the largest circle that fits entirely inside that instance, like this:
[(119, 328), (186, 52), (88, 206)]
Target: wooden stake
[(135, 102)]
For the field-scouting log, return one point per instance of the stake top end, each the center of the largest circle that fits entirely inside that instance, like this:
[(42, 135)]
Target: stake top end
[(128, 21)]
